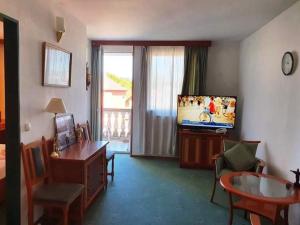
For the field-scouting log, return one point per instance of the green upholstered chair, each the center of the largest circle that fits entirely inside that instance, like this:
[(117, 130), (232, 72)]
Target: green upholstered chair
[(222, 166)]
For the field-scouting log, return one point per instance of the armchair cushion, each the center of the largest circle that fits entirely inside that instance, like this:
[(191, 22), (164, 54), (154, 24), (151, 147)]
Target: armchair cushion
[(251, 146), (239, 158), (228, 144)]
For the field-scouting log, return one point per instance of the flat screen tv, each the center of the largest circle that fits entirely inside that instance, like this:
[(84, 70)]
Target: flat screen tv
[(206, 111)]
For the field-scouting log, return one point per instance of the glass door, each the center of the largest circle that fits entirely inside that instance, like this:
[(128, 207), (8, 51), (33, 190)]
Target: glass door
[(117, 100)]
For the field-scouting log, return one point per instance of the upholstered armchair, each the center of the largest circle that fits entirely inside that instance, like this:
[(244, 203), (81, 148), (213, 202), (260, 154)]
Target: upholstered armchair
[(222, 166)]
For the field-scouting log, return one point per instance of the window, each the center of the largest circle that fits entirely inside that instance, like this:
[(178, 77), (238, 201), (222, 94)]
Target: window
[(165, 77)]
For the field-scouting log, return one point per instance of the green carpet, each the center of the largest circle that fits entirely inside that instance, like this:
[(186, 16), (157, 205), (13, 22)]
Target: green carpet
[(148, 192)]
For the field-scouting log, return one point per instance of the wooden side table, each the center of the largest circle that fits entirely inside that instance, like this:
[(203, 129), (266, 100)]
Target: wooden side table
[(260, 194)]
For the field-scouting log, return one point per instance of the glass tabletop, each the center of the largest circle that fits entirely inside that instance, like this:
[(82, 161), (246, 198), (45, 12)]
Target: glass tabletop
[(262, 186)]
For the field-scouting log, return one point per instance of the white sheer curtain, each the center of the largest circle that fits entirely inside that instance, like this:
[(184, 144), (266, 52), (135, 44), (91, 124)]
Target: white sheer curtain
[(139, 100), (157, 80), (164, 83)]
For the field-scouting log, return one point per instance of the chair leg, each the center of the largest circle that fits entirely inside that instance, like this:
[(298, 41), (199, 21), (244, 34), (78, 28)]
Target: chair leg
[(81, 209), (230, 219), (106, 174), (112, 168), (286, 215), (245, 214), (213, 191), (30, 215), (65, 215)]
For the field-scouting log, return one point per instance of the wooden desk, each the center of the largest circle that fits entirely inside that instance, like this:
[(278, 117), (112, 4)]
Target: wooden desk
[(82, 163)]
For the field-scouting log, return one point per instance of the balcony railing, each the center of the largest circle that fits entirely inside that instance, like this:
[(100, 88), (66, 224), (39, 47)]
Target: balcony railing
[(116, 124)]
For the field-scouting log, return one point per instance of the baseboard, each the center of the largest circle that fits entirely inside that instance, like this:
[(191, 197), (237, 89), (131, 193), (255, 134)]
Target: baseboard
[(156, 157)]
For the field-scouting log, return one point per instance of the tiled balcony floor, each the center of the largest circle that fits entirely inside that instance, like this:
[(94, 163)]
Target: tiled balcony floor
[(118, 146)]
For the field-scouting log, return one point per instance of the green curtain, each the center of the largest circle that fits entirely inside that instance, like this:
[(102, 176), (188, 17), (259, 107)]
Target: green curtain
[(195, 68)]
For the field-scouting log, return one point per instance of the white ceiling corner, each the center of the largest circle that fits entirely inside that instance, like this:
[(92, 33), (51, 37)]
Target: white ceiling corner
[(174, 19)]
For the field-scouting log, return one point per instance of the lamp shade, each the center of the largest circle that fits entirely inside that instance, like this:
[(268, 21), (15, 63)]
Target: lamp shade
[(56, 105)]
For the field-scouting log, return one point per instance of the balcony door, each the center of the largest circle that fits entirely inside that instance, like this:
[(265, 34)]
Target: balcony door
[(117, 97)]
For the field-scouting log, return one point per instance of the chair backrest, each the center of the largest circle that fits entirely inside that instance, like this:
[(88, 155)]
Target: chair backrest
[(86, 130), (35, 162), (252, 145)]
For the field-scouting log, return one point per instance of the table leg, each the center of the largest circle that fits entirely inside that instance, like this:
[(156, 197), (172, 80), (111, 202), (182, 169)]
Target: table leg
[(230, 209), (286, 215)]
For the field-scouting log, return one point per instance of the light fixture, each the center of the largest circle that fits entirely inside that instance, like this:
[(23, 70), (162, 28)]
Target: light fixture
[(56, 105), (60, 27)]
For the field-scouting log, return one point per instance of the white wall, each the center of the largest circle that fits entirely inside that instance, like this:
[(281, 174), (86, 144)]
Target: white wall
[(223, 68), (271, 109), (223, 72), (37, 23)]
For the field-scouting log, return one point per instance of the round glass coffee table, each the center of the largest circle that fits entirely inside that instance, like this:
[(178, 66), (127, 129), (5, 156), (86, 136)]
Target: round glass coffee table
[(260, 194)]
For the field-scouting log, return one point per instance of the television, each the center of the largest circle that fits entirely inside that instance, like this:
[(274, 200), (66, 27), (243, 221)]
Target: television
[(211, 112)]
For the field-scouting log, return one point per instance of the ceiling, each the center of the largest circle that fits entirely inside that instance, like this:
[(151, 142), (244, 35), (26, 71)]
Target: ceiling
[(173, 19)]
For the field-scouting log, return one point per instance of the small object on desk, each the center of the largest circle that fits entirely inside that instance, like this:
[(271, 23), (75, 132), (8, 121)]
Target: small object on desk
[(78, 132), (297, 173), (55, 153)]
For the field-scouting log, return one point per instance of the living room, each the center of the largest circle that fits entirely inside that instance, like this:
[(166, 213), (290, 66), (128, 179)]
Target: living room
[(246, 43)]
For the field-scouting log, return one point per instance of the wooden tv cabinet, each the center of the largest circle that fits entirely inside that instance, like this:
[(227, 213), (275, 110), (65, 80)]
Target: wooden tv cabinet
[(196, 148)]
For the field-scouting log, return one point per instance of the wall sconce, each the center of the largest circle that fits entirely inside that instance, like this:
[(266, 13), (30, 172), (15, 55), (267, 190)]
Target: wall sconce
[(60, 27)]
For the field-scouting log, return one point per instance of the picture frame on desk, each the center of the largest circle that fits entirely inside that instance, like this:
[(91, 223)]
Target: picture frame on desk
[(65, 131)]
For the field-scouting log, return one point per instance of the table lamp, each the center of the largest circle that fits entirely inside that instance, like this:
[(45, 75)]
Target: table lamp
[(56, 105)]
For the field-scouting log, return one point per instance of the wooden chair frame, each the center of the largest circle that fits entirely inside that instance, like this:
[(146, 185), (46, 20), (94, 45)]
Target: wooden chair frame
[(86, 131), (32, 180)]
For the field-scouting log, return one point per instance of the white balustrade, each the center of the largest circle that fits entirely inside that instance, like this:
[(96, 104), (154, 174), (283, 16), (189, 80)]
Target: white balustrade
[(116, 124)]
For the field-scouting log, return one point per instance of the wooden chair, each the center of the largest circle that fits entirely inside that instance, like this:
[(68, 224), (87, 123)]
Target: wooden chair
[(86, 131), (40, 191), (221, 169), (110, 156)]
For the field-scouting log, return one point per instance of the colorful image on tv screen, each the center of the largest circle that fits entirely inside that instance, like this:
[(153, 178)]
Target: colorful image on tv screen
[(206, 111)]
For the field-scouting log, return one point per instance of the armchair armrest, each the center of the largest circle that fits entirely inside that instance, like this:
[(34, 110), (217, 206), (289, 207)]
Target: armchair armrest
[(219, 165), (216, 156), (260, 165)]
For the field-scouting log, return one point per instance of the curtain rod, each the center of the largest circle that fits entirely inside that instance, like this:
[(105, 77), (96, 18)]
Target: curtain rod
[(152, 43)]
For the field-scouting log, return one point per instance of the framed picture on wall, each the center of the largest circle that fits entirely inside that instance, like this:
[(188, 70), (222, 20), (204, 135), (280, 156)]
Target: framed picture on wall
[(57, 64)]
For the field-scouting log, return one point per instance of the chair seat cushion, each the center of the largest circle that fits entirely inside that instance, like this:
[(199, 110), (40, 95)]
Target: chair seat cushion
[(238, 158), (58, 192), (109, 155)]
